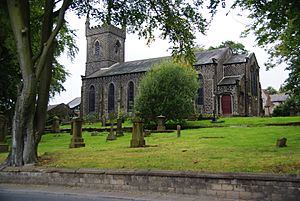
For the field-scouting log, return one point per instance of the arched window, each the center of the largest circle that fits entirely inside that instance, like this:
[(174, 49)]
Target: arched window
[(92, 99), (97, 48), (200, 98), (130, 96), (254, 83), (111, 98), (117, 47)]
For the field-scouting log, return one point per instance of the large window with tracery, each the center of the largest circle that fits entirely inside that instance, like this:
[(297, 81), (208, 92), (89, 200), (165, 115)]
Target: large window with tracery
[(200, 97), (92, 99), (111, 98), (130, 97)]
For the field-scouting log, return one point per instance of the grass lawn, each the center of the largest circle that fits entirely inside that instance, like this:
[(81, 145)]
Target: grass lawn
[(229, 121), (226, 149)]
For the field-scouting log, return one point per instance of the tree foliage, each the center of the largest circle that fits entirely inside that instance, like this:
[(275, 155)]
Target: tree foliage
[(236, 47), (168, 89), (10, 73), (177, 21), (271, 90)]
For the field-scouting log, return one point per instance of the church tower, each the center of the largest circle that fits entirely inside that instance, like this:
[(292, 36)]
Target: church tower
[(105, 47)]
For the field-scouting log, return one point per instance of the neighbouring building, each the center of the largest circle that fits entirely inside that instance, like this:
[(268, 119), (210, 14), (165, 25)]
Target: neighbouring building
[(62, 111), (229, 82), (74, 105)]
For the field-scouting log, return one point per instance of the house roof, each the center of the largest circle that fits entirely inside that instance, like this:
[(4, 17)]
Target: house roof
[(206, 57), (279, 97), (237, 58), (138, 66), (50, 107), (230, 80), (75, 102)]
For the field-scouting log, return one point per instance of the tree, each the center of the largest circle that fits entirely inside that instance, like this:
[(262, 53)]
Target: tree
[(168, 89), (270, 90), (10, 73), (276, 27), (236, 47), (177, 20)]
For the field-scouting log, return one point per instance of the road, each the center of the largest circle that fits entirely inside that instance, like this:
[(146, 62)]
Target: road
[(42, 196), (14, 192)]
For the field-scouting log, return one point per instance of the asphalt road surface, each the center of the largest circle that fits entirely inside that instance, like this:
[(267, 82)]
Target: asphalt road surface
[(15, 192), (42, 196)]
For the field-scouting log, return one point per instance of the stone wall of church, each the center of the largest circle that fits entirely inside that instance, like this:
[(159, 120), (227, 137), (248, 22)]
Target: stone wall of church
[(233, 92), (234, 69), (101, 85), (208, 72)]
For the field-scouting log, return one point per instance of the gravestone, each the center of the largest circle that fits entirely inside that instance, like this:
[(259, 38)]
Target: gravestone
[(281, 142), (103, 121), (161, 123), (119, 131), (178, 130), (137, 132), (77, 140), (147, 133), (55, 125), (111, 135), (3, 132)]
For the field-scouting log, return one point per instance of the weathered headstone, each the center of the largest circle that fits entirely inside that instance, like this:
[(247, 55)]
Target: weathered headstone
[(77, 140), (55, 125), (161, 123), (147, 133), (3, 132), (94, 133), (103, 121), (111, 135), (137, 132), (119, 131), (281, 142), (178, 130)]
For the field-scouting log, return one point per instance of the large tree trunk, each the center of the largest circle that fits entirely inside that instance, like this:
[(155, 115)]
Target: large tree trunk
[(24, 138), (46, 76), (22, 129)]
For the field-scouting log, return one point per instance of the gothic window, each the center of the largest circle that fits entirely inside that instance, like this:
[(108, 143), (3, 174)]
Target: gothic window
[(253, 83), (130, 97), (117, 47), (111, 98), (92, 99), (200, 98), (97, 48)]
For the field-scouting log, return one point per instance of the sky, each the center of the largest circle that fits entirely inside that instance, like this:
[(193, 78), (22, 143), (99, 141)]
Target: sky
[(221, 29)]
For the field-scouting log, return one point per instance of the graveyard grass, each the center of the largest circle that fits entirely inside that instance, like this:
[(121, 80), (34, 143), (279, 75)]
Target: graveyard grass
[(226, 149)]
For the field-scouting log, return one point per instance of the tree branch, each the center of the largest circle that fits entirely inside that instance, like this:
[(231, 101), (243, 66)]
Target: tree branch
[(41, 62)]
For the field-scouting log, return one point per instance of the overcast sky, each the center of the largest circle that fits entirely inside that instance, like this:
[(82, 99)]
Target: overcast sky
[(221, 29)]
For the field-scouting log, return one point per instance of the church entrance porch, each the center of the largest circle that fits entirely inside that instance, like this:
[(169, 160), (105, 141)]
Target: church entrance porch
[(226, 105)]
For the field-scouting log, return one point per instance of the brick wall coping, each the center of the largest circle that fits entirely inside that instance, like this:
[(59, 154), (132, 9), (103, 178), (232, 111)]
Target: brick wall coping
[(160, 173)]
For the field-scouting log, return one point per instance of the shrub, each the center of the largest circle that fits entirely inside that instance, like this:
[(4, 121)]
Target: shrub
[(168, 89)]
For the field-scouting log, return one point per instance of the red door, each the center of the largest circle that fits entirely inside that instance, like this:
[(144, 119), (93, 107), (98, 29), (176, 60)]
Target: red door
[(226, 104)]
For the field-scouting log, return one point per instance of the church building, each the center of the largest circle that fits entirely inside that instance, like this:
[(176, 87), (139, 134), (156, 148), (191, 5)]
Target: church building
[(229, 83)]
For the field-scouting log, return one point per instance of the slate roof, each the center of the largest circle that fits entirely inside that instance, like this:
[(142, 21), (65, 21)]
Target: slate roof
[(230, 80), (138, 66), (279, 97), (50, 107), (75, 102), (127, 67), (206, 57), (237, 58)]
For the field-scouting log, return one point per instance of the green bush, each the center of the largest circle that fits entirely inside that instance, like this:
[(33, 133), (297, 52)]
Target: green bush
[(290, 107), (168, 89)]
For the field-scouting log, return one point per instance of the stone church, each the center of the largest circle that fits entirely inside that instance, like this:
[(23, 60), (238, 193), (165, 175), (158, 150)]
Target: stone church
[(229, 82)]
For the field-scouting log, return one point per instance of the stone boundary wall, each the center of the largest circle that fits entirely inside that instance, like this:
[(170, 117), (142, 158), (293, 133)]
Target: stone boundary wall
[(222, 186)]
